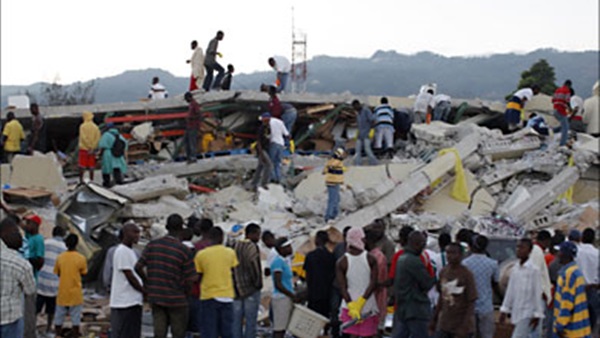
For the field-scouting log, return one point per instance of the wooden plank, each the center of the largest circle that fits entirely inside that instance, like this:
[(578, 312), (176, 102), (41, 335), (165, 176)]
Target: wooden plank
[(143, 118), (27, 193), (320, 108)]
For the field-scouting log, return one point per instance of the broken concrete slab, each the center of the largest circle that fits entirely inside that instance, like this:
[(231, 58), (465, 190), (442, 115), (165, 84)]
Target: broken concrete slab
[(153, 187), (442, 203), (182, 169), (415, 183), (38, 172), (142, 132), (274, 198), (499, 149), (159, 209)]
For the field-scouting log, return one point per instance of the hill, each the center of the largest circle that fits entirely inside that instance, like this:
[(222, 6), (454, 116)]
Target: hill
[(384, 73)]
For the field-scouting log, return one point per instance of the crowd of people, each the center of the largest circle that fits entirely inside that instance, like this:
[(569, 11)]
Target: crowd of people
[(213, 286)]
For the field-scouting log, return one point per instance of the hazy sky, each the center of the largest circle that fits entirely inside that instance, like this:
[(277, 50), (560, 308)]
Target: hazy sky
[(79, 40)]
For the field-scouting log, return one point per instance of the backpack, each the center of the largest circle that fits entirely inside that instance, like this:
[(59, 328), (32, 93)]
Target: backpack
[(118, 147)]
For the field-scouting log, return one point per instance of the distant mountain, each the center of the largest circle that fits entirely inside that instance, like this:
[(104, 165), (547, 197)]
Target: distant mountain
[(384, 73)]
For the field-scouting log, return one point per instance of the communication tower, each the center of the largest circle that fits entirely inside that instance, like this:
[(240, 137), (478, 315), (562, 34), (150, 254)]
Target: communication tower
[(299, 69)]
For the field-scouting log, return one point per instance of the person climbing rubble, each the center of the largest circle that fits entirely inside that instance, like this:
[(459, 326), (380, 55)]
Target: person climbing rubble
[(282, 66), (113, 149), (513, 115), (384, 126)]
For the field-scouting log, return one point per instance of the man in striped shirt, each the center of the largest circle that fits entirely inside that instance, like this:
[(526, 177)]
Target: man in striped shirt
[(384, 126), (47, 287), (571, 316), (169, 278)]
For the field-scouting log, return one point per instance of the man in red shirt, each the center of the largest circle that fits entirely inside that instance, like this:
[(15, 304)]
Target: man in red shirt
[(561, 101), (405, 231), (192, 126)]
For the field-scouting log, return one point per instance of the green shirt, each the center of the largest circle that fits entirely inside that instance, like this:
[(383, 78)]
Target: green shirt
[(412, 282), (35, 249)]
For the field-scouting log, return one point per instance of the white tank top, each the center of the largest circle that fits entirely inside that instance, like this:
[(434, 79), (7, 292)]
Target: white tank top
[(358, 277)]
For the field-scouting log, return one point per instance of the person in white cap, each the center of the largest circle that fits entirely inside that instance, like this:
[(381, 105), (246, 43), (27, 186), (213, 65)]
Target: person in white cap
[(282, 301)]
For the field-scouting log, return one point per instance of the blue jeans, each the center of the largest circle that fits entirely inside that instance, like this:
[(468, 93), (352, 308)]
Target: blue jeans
[(195, 316), (289, 118), (283, 80), (441, 111), (13, 330), (333, 202), (217, 318), (413, 328), (523, 330), (276, 155), (563, 129), (210, 68), (366, 142), (245, 308), (190, 139)]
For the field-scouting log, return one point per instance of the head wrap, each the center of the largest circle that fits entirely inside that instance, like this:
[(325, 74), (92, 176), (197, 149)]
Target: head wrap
[(355, 238)]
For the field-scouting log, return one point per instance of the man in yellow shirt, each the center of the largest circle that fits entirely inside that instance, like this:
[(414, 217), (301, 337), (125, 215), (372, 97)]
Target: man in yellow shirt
[(89, 136), (215, 264), (70, 266), (12, 136)]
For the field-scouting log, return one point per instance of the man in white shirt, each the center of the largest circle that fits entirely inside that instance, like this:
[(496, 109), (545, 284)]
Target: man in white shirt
[(591, 107), (424, 105), (197, 63), (282, 66), (588, 260), (443, 106), (127, 292), (157, 90), (278, 137), (523, 298), (576, 103)]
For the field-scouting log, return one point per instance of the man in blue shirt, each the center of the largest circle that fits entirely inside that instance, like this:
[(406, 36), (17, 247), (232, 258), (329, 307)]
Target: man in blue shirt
[(365, 121), (283, 298), (486, 273)]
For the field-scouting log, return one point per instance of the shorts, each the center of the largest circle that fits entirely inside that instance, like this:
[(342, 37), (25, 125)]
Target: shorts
[(87, 159), (366, 328), (44, 301), (282, 313), (73, 311)]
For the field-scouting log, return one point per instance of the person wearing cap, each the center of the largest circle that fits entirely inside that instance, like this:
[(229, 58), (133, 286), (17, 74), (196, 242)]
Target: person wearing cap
[(487, 274), (12, 135), (70, 266), (35, 251), (262, 175), (47, 287), (334, 178), (522, 299), (111, 164), (571, 315), (357, 275), (127, 291), (248, 282), (283, 298), (89, 136)]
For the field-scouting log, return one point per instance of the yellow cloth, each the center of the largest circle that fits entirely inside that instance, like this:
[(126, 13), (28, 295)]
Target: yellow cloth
[(334, 172), (292, 146), (298, 265), (215, 264), (14, 133), (206, 140), (70, 266), (568, 195), (89, 133), (460, 190)]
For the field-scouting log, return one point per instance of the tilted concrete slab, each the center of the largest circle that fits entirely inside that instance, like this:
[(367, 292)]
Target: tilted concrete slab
[(38, 172), (153, 187), (415, 183)]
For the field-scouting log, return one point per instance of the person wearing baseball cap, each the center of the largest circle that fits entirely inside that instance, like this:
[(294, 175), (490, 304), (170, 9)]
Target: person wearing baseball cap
[(571, 316)]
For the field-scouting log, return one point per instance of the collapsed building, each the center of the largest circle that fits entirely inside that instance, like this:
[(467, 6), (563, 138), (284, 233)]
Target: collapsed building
[(444, 177)]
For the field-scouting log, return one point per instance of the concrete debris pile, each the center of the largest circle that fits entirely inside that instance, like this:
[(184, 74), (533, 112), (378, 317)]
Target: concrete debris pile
[(514, 184)]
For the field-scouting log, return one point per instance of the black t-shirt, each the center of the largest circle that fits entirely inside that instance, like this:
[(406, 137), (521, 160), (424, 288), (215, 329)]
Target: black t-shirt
[(320, 271)]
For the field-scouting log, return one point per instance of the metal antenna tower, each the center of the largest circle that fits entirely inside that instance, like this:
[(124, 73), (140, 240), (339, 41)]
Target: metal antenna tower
[(299, 67)]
